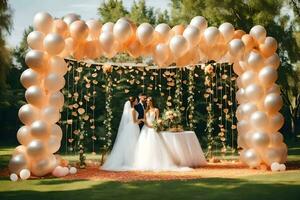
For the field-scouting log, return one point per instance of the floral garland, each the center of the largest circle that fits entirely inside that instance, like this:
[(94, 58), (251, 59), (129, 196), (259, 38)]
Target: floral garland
[(178, 92), (190, 99), (107, 69)]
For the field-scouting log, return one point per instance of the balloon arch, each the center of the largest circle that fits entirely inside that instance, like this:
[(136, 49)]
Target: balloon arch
[(253, 56)]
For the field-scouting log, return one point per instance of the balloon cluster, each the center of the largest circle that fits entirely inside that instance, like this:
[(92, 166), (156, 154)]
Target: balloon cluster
[(253, 55)]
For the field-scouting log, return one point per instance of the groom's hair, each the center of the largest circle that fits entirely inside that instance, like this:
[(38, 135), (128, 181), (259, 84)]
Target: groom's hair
[(142, 94)]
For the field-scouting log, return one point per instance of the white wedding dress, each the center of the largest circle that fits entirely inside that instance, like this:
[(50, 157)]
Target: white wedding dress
[(122, 155), (151, 153)]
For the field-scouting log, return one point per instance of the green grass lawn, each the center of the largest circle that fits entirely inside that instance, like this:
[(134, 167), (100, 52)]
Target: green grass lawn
[(280, 185)]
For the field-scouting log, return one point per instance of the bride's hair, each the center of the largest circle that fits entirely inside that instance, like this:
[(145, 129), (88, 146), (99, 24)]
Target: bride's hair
[(131, 100)]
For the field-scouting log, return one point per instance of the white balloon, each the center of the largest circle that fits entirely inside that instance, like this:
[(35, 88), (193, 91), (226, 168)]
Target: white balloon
[(29, 77), (13, 177), (192, 35), (108, 27), (43, 22), (35, 40), (248, 77), (255, 61), (273, 61), (199, 22), (211, 35), (267, 76), (275, 166), (282, 167), (54, 43), (122, 30), (259, 33), (227, 30), (178, 45), (259, 120), (73, 170), (254, 92), (144, 33), (70, 18), (236, 47), (24, 174), (163, 31)]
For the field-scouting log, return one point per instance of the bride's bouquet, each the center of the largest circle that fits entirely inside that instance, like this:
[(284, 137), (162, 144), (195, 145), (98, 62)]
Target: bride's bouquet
[(170, 121)]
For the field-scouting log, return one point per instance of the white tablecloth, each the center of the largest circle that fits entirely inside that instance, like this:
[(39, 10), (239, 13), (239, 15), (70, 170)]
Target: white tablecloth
[(184, 148)]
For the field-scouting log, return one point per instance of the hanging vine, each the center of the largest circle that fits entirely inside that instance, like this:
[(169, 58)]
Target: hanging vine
[(191, 100)]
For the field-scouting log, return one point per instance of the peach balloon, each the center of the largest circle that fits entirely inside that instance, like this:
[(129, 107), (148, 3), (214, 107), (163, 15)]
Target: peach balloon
[(29, 78), (276, 121), (163, 32), (54, 43), (36, 60), (248, 109), (273, 102), (35, 40), (273, 61), (255, 61), (134, 49), (161, 53), (61, 28), (94, 28), (249, 42), (276, 139), (254, 92), (269, 47), (28, 114), (241, 96), (178, 46), (243, 126), (50, 114), (79, 30), (259, 120), (70, 46), (237, 69), (238, 34), (23, 135), (259, 139), (39, 129), (178, 29), (251, 158), (58, 65), (122, 31), (271, 155), (236, 47), (36, 148), (144, 33), (43, 22), (70, 18), (53, 144), (107, 27), (259, 33), (274, 89), (35, 95), (107, 41), (199, 22), (21, 149), (92, 49), (56, 131), (227, 30), (42, 166), (248, 77), (56, 99), (54, 82), (192, 35), (17, 163), (267, 76)]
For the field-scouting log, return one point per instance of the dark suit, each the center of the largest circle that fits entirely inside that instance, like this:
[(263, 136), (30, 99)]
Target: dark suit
[(140, 109)]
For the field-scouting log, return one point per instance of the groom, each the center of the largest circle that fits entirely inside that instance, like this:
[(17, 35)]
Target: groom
[(141, 107)]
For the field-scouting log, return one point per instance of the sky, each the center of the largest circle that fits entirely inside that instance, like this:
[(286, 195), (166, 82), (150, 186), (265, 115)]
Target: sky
[(24, 11)]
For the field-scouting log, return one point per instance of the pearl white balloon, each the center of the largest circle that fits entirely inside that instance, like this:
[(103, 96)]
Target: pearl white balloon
[(56, 99), (108, 27), (273, 102), (43, 165), (259, 120), (255, 61), (29, 77), (236, 47), (58, 65), (254, 92), (248, 77), (161, 53), (163, 31), (268, 47), (241, 96), (24, 174), (199, 22), (276, 121), (42, 22), (94, 27), (259, 33), (211, 35), (23, 135), (13, 177), (273, 61), (274, 89), (73, 170), (282, 167), (248, 109), (243, 126), (70, 18), (17, 163), (54, 43), (39, 129), (50, 114), (53, 144), (36, 148), (107, 41), (122, 30), (35, 40), (251, 158), (144, 33), (272, 155), (227, 30), (259, 139), (28, 114), (267, 76), (275, 166), (35, 59), (54, 82), (192, 35), (35, 95), (178, 45)]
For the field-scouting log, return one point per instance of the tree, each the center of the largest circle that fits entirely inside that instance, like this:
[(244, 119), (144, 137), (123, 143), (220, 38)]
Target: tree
[(112, 10), (139, 13)]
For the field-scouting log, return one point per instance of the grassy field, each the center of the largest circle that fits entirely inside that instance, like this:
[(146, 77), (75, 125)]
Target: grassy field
[(279, 185)]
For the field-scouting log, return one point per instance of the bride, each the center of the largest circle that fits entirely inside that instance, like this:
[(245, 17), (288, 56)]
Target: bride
[(151, 153), (121, 157)]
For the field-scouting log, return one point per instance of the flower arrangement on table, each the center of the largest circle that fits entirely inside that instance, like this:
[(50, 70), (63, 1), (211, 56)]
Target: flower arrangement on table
[(170, 121)]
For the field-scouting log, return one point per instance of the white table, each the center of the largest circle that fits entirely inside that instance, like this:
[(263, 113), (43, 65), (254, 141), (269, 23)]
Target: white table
[(184, 148)]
